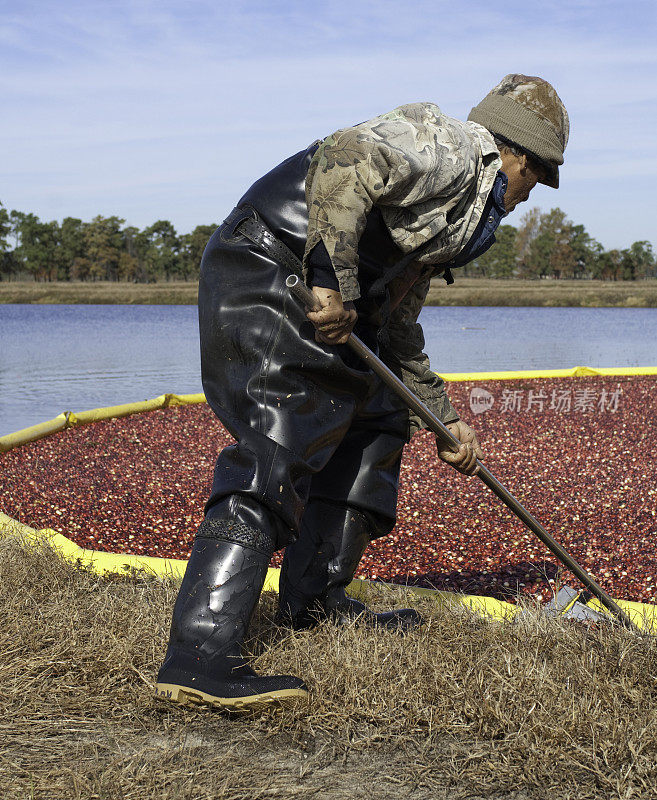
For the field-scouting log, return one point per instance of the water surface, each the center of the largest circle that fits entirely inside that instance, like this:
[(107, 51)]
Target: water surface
[(56, 358)]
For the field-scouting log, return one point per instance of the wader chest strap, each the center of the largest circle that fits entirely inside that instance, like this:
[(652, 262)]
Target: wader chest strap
[(246, 222)]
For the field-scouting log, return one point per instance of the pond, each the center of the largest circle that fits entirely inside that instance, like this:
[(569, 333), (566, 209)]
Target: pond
[(56, 358)]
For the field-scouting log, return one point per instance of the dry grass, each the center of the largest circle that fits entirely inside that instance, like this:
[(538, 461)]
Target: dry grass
[(100, 292), (486, 292), (464, 292), (461, 709)]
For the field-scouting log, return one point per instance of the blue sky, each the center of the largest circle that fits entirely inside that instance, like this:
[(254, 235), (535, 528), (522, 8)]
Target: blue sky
[(170, 109)]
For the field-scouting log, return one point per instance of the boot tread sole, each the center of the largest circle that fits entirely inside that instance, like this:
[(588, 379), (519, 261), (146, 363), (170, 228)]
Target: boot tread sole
[(185, 696)]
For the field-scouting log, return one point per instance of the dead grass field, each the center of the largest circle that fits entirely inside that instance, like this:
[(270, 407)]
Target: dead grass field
[(461, 709), (486, 292), (100, 293), (464, 292)]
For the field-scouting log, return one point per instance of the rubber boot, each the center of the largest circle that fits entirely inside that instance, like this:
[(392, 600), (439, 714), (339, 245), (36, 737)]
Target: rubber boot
[(319, 566), (220, 589)]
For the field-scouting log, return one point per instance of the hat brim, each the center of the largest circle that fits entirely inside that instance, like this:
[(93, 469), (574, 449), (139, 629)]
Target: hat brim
[(552, 176)]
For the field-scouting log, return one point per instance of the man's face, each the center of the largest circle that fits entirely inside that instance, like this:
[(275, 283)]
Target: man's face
[(523, 173)]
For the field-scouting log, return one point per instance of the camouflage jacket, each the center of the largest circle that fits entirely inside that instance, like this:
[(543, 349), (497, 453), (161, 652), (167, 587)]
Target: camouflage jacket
[(430, 175)]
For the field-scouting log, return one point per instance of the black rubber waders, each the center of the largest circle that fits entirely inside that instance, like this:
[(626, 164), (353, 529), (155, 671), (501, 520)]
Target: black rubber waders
[(319, 566)]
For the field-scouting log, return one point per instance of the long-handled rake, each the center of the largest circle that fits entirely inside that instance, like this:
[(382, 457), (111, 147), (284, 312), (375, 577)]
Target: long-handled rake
[(301, 291)]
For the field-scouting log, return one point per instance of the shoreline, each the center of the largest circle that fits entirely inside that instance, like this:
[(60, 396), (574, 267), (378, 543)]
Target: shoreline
[(464, 292)]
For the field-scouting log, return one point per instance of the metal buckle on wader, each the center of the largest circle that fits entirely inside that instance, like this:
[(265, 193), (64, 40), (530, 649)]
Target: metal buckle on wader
[(228, 231)]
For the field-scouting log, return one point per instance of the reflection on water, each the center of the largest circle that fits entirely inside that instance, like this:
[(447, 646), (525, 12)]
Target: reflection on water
[(58, 357)]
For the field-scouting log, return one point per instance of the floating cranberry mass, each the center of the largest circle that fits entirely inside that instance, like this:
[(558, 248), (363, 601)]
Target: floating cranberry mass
[(577, 452)]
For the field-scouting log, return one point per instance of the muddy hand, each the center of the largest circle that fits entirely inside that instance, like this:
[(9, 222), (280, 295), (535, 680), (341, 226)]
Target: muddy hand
[(336, 320), (465, 460)]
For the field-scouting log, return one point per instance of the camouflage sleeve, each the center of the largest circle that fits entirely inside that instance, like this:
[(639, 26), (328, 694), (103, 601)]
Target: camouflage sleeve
[(397, 160), (406, 357)]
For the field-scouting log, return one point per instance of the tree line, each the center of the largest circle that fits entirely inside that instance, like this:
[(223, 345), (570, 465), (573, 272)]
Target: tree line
[(549, 245), (104, 249), (544, 245)]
